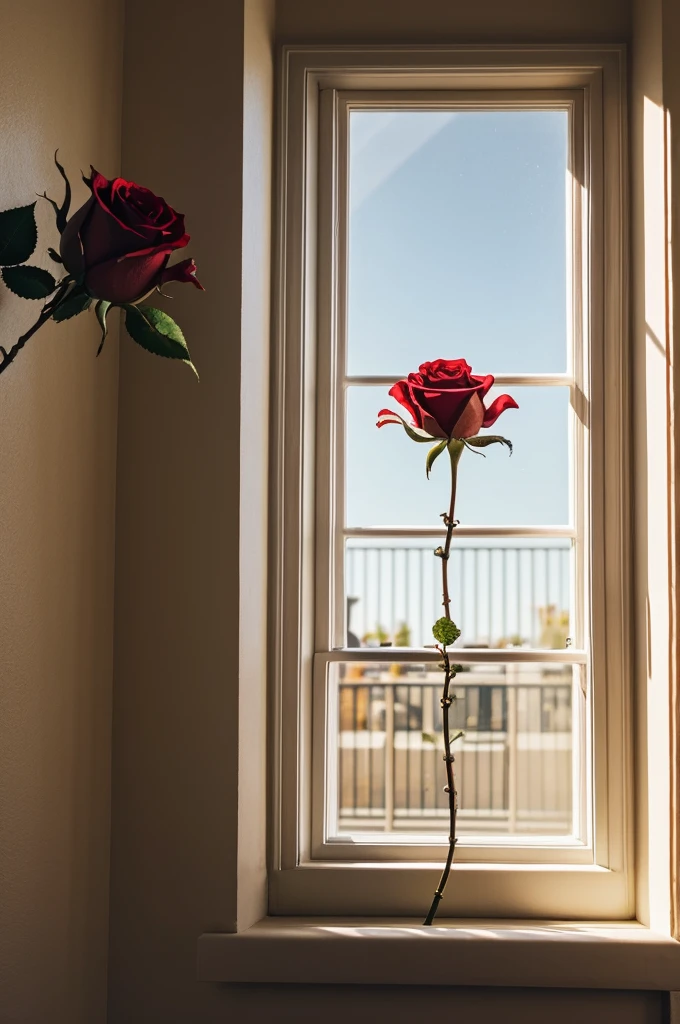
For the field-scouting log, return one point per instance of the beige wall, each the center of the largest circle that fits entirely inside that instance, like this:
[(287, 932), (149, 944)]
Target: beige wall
[(60, 85), (191, 473), (180, 655), (180, 779)]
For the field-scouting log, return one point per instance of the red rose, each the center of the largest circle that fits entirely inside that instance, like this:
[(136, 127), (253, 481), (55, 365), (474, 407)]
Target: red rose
[(119, 243), (445, 400)]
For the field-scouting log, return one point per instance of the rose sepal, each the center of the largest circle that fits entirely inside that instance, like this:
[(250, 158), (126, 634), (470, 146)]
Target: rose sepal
[(433, 454), (483, 441), (101, 311), (74, 302), (60, 212), (386, 416)]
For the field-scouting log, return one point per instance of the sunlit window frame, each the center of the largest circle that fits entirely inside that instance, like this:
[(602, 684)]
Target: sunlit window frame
[(594, 874)]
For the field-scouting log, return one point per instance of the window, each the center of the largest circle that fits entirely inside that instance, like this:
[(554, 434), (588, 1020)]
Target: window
[(455, 211)]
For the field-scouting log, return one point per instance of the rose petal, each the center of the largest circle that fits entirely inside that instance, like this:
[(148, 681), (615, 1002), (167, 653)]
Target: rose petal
[(471, 417), (486, 382), (402, 392), (185, 272), (445, 406), (165, 246), (121, 221), (125, 280), (502, 403)]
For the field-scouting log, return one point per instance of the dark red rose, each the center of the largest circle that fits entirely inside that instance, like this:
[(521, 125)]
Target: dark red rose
[(445, 400), (119, 243)]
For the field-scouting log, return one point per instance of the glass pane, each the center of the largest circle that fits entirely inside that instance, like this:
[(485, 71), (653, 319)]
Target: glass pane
[(457, 240), (387, 485), (513, 763), (504, 592)]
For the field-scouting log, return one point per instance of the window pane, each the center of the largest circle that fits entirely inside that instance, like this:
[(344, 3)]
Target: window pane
[(513, 763), (457, 240), (387, 485), (504, 592)]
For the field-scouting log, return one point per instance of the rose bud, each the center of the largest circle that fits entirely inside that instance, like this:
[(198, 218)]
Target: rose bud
[(118, 244), (446, 401)]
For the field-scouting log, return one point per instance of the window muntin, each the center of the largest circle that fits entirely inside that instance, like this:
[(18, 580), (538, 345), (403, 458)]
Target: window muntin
[(533, 505)]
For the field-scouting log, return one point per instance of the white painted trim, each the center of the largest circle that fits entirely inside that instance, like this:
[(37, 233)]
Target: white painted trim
[(505, 380), (545, 954), (306, 73), (490, 532), (464, 656)]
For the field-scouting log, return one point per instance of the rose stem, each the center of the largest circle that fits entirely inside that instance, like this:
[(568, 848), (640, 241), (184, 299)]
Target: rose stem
[(9, 357), (450, 789), (455, 452)]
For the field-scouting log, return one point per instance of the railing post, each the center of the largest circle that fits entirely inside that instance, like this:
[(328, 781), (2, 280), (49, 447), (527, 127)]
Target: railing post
[(512, 752), (389, 757)]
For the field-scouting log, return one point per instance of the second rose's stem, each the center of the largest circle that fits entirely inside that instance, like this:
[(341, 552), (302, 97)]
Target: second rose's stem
[(8, 357)]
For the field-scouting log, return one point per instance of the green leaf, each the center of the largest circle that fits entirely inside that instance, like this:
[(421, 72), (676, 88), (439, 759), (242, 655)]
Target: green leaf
[(29, 282), (18, 235), (482, 442), (432, 455), (157, 332), (445, 631), (77, 301), (428, 737), (102, 309)]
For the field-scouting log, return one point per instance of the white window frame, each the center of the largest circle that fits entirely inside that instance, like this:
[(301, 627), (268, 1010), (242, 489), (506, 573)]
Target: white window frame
[(307, 874)]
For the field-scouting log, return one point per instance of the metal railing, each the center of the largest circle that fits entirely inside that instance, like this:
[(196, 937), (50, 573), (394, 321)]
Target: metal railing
[(503, 593), (513, 762)]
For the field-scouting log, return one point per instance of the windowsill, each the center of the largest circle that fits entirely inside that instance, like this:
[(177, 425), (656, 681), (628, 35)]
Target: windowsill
[(383, 951)]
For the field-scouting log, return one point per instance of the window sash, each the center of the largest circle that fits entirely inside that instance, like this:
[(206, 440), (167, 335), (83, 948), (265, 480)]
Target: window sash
[(311, 78), (331, 406), (421, 846), (333, 382)]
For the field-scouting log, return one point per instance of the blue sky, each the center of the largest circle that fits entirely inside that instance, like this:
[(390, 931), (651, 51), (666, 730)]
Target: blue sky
[(458, 249)]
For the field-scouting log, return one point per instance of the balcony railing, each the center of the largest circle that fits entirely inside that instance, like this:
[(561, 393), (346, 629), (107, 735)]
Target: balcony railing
[(505, 593), (514, 759)]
